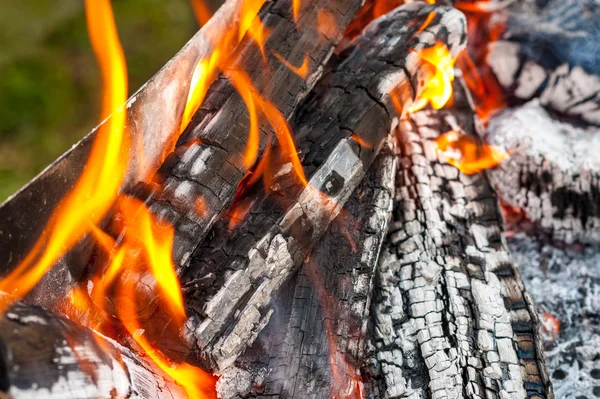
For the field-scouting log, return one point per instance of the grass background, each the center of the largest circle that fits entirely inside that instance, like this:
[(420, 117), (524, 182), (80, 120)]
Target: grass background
[(50, 88)]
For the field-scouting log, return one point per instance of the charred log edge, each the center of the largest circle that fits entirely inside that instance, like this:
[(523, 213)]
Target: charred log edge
[(450, 312), (566, 89), (321, 316), (552, 175), (208, 161), (229, 318), (44, 355)]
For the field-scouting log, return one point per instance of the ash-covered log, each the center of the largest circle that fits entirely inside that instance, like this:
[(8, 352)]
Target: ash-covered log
[(566, 286), (313, 346), (341, 127), (46, 356), (549, 51), (451, 316), (553, 173)]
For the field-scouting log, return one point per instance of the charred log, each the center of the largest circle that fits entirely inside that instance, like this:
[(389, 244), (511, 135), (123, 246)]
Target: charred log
[(45, 356), (208, 162), (549, 52), (566, 286), (451, 316), (234, 276), (313, 345), (553, 174)]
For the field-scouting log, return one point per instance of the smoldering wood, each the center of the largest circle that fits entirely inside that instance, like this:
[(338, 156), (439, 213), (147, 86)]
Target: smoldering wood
[(45, 356), (313, 344), (553, 173), (549, 51), (565, 283), (208, 162), (450, 314), (234, 275)]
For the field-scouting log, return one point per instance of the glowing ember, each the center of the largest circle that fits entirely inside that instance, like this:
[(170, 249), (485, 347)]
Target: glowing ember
[(467, 154), (438, 90), (97, 187)]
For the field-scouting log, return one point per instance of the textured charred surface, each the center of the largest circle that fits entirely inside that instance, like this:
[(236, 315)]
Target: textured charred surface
[(550, 51), (313, 345), (553, 173), (45, 356), (207, 164), (566, 288), (451, 317), (233, 276)]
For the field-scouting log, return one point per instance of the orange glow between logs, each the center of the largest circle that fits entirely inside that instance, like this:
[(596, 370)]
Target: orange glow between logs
[(438, 90), (466, 154), (99, 183)]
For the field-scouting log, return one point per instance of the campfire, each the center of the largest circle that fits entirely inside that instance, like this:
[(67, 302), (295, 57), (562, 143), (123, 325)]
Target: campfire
[(323, 199)]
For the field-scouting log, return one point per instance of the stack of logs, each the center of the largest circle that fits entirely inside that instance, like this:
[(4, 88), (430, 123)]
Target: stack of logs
[(387, 276)]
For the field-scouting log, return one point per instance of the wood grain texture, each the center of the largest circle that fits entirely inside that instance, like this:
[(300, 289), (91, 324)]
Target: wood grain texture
[(46, 356), (451, 317), (234, 275)]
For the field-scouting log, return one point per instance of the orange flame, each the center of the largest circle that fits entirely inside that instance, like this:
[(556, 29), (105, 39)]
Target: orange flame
[(438, 90), (98, 185), (466, 154), (296, 9), (201, 11), (301, 71), (361, 142)]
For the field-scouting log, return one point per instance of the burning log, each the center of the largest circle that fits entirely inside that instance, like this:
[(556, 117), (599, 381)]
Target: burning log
[(450, 313), (313, 345), (548, 52), (552, 175), (211, 156), (565, 285), (44, 355), (233, 277)]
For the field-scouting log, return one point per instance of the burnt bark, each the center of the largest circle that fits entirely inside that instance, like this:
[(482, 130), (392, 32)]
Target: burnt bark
[(553, 173), (46, 356), (313, 345), (235, 274), (451, 317), (208, 162)]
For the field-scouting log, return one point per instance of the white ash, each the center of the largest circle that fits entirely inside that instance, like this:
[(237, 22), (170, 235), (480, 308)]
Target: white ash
[(566, 284)]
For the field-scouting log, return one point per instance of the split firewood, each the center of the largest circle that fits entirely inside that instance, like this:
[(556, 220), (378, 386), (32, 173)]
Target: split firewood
[(451, 316), (566, 286), (549, 51), (209, 161), (234, 275), (313, 345), (46, 356), (553, 173)]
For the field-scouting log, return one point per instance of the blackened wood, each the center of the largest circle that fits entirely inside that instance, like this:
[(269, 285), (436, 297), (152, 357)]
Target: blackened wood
[(232, 279), (45, 356), (451, 317), (553, 173), (313, 345), (208, 163), (565, 284), (549, 52)]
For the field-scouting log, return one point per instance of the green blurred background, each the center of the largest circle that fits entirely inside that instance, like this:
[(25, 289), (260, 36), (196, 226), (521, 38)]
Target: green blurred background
[(50, 88)]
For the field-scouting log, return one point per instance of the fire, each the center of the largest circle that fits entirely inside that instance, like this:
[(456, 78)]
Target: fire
[(98, 186), (201, 11), (438, 90), (467, 154), (301, 71)]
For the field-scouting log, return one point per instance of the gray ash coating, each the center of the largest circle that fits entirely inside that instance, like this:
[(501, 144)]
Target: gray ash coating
[(566, 284)]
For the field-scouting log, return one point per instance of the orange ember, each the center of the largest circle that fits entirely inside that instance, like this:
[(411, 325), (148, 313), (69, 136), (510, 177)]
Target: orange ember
[(438, 90), (467, 154), (98, 185)]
